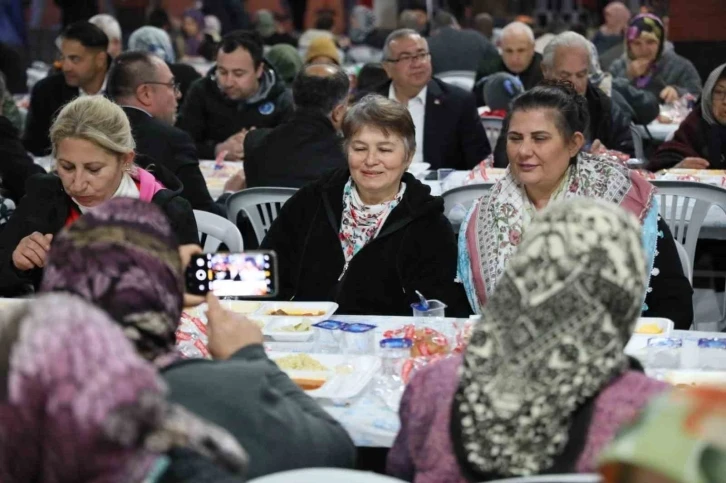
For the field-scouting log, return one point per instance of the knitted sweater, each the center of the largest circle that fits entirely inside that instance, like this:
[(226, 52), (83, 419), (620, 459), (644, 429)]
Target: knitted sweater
[(673, 70), (423, 452)]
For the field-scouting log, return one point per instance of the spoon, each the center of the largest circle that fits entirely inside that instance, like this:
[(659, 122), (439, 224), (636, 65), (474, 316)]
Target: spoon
[(424, 303)]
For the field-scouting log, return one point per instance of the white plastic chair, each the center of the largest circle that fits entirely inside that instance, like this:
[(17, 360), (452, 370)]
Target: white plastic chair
[(685, 262), (493, 128), (683, 206), (218, 231), (581, 478), (328, 475), (637, 136), (459, 78), (462, 197), (261, 205)]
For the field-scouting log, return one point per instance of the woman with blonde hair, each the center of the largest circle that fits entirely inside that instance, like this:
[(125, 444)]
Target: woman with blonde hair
[(94, 155)]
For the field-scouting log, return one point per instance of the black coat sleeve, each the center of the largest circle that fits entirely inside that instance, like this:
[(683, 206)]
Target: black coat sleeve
[(15, 164), (37, 124), (195, 187), (644, 104), (430, 267), (670, 294), (473, 140), (192, 119), (620, 137), (181, 217)]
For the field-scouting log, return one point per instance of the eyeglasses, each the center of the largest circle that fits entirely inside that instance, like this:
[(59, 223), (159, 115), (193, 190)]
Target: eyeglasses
[(408, 59), (171, 84), (719, 95)]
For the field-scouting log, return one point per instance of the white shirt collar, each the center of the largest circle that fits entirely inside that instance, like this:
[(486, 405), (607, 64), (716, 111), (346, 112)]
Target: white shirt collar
[(82, 93), (421, 96)]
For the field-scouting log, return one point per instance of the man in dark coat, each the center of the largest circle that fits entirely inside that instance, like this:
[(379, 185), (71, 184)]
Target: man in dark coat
[(453, 48), (84, 63), (518, 58), (307, 145), (449, 133), (240, 93), (142, 84)]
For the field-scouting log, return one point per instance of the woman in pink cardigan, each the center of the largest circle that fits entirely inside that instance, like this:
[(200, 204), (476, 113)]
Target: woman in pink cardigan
[(544, 384)]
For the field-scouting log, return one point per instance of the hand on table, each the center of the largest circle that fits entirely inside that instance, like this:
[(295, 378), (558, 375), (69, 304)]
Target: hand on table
[(234, 145), (693, 163), (637, 68), (669, 95), (185, 253), (228, 332), (32, 251), (237, 182)]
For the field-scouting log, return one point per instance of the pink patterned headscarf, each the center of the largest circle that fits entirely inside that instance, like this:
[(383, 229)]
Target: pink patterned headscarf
[(78, 404)]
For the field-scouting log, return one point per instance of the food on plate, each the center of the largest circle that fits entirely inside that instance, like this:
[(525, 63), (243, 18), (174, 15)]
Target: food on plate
[(649, 329), (308, 383), (664, 119), (300, 362), (426, 342), (304, 325), (297, 313), (241, 306)]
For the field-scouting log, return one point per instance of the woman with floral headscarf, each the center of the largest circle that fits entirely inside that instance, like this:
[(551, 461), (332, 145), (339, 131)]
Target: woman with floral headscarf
[(700, 141), (543, 384), (77, 404), (124, 258), (649, 66)]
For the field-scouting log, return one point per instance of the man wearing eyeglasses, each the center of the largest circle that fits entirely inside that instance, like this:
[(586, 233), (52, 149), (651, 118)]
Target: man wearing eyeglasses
[(449, 133), (143, 85)]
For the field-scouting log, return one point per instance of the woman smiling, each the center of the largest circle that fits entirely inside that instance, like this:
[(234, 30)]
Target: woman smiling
[(370, 235), (94, 152), (544, 140)]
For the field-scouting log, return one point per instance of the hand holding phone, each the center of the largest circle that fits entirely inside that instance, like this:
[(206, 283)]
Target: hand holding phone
[(251, 274), (228, 332), (186, 252)]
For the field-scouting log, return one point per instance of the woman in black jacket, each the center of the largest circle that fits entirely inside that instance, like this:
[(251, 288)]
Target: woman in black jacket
[(369, 236), (94, 152)]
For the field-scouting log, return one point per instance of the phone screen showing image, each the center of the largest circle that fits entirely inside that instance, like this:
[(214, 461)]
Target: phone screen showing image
[(247, 274)]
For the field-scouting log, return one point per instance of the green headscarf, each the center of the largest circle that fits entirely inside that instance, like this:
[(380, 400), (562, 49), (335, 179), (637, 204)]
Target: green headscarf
[(286, 60)]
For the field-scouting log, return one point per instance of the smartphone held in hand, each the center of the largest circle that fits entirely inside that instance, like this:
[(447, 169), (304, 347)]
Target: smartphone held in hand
[(251, 274)]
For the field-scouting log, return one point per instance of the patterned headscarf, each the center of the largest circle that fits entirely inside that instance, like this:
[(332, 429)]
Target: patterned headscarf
[(366, 23), (680, 436), (124, 258), (646, 24), (153, 40), (551, 337), (78, 404)]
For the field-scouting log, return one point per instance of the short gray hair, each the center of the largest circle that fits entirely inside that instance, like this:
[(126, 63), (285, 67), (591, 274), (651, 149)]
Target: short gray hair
[(395, 35), (518, 28), (571, 40), (108, 24), (389, 116)]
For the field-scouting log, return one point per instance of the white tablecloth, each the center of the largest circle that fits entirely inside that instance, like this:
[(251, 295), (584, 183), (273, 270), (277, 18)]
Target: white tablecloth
[(658, 130), (367, 419)]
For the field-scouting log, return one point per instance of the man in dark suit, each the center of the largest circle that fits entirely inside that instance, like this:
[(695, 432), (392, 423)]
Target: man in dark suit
[(307, 145), (143, 85), (85, 63), (449, 133)]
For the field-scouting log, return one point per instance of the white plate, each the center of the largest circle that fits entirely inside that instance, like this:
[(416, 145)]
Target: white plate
[(241, 306), (418, 169), (694, 378), (296, 309), (338, 385), (274, 325), (639, 342)]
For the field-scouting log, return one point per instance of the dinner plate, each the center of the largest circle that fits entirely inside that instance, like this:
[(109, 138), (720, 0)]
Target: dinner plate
[(346, 376), (298, 309), (274, 328)]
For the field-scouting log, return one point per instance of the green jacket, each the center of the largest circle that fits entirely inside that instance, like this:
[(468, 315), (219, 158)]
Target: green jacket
[(279, 426)]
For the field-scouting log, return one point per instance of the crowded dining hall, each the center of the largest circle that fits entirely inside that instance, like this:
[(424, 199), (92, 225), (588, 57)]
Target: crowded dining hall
[(365, 241)]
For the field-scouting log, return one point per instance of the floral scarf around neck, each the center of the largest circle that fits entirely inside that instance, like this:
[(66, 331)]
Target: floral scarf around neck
[(495, 224), (360, 222)]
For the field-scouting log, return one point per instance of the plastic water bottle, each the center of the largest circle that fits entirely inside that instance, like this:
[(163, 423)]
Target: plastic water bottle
[(388, 385)]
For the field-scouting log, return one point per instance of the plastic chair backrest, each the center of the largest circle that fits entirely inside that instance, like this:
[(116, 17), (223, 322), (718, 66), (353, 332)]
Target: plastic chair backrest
[(571, 478), (684, 205), (493, 128), (459, 78), (637, 142), (218, 230), (261, 205), (685, 262), (464, 196)]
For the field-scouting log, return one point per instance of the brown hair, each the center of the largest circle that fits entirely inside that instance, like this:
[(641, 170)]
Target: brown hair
[(379, 112)]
